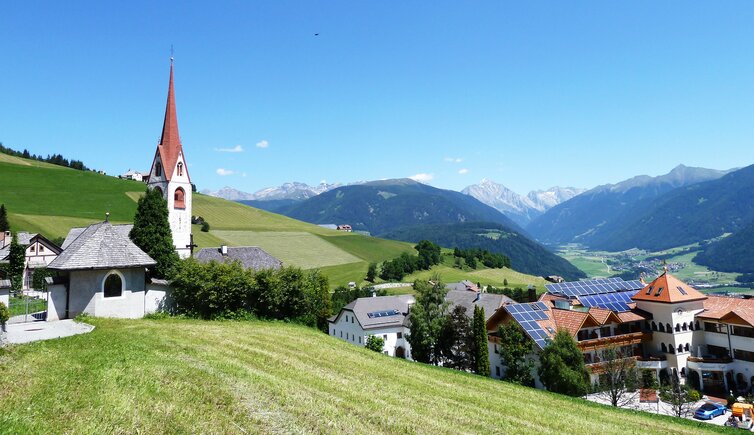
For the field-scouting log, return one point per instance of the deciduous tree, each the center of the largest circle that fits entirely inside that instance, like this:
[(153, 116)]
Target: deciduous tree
[(372, 272), (679, 397), (375, 343), (561, 366), (619, 380), (428, 316)]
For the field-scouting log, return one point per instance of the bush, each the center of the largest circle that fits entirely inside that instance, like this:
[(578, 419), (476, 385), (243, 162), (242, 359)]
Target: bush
[(694, 396), (205, 227), (375, 343), (4, 313)]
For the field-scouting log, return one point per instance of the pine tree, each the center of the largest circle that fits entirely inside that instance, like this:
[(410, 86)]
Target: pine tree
[(4, 225), (481, 356), (372, 272), (17, 259), (151, 232)]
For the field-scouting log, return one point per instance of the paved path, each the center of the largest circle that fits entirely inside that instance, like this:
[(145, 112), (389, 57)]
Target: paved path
[(37, 331)]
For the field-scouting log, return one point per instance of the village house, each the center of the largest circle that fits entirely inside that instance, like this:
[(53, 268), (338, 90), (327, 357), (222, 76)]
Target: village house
[(133, 175), (250, 257), (39, 252)]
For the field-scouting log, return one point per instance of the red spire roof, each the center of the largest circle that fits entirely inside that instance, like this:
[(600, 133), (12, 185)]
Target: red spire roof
[(170, 142)]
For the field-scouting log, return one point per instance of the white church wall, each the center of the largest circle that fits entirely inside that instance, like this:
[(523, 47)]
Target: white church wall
[(87, 295)]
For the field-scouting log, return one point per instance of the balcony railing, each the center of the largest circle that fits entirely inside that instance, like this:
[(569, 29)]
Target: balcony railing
[(711, 360), (598, 368), (653, 358), (615, 340)]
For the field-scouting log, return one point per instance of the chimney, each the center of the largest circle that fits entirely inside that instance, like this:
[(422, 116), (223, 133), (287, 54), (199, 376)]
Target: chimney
[(224, 250)]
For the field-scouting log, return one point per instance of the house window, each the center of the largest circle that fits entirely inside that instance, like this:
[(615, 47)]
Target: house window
[(497, 351), (384, 337), (743, 355), (742, 331), (346, 318), (113, 285), (41, 248), (180, 169), (715, 327), (31, 249), (158, 170), (400, 335), (359, 339), (351, 319)]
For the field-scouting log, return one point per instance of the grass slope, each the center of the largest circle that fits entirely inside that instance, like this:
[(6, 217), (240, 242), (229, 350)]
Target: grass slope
[(186, 376)]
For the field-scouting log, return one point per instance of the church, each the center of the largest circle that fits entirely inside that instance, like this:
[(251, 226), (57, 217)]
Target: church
[(101, 272)]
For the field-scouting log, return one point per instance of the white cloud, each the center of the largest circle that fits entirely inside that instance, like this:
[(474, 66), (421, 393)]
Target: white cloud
[(453, 159), (235, 149), (463, 171), (263, 144), (223, 172), (422, 177)]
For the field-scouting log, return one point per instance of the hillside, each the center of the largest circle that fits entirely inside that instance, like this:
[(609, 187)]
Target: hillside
[(380, 207), (526, 255), (690, 214), (734, 253), (186, 376), (51, 199), (594, 217)]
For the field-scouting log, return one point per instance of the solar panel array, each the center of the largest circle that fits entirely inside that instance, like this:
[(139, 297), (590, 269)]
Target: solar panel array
[(376, 314), (576, 289), (617, 302), (527, 315)]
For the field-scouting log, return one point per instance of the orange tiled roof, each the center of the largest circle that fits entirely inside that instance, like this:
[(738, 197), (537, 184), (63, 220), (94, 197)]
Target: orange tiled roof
[(668, 289), (170, 142), (633, 315), (547, 297), (723, 307), (600, 314), (569, 320)]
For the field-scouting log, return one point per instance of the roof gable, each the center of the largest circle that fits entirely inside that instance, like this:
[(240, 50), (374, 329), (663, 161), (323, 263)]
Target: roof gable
[(100, 246), (668, 289)]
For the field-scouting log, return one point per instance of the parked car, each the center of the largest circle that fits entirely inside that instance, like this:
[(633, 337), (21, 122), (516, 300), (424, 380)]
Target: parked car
[(710, 410)]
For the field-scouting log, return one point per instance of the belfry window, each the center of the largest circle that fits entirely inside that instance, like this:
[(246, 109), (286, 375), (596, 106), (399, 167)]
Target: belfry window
[(180, 169), (179, 198)]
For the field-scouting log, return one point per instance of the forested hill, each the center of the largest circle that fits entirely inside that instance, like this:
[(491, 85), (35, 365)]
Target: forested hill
[(731, 254), (594, 217), (690, 214), (526, 255), (380, 207)]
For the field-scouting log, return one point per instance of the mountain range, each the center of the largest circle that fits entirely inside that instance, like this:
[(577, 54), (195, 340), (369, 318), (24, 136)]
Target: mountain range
[(295, 191), (521, 209), (594, 217)]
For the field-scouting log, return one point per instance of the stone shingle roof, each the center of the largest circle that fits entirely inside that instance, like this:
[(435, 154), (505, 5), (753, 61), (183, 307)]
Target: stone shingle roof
[(100, 246), (469, 299), (24, 239), (251, 257), (361, 308)]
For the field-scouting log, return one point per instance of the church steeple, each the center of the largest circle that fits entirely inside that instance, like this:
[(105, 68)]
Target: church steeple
[(170, 148)]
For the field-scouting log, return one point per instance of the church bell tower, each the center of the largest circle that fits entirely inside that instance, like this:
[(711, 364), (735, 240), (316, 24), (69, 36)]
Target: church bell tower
[(169, 174)]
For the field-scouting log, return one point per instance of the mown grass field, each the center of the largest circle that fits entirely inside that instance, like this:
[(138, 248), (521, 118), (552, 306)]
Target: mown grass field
[(186, 376), (292, 247)]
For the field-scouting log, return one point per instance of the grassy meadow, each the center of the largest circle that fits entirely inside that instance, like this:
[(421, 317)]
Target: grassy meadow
[(188, 376)]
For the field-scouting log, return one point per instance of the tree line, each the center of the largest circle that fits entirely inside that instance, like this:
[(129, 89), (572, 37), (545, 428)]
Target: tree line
[(471, 256), (428, 255), (55, 159)]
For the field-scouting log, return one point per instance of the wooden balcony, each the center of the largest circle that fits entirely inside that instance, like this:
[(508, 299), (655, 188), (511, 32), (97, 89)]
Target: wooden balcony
[(614, 340), (598, 368)]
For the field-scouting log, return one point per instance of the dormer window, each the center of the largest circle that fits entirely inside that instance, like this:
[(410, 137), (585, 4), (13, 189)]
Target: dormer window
[(180, 169), (158, 169), (649, 290), (659, 291), (179, 198)]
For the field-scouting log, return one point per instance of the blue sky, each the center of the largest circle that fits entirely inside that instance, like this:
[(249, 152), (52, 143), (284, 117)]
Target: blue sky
[(529, 94)]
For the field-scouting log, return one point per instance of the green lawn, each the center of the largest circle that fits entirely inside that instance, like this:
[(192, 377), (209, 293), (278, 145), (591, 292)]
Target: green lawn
[(21, 306), (186, 376), (298, 248)]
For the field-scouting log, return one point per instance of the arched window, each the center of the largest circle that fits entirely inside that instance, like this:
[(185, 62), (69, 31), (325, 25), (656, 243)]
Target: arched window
[(696, 325), (677, 327), (687, 347), (668, 327), (680, 348), (112, 286), (179, 198), (663, 348), (158, 169), (691, 326), (671, 349), (662, 327), (180, 169), (654, 326)]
